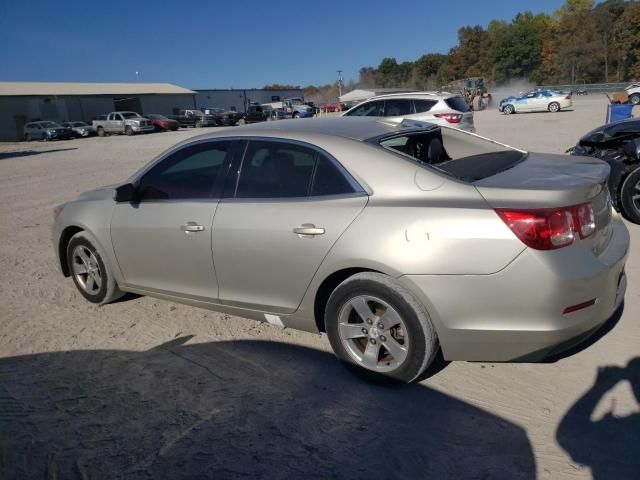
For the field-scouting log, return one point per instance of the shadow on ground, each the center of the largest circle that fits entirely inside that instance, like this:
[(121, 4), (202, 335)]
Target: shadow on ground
[(610, 446), (29, 153), (238, 410)]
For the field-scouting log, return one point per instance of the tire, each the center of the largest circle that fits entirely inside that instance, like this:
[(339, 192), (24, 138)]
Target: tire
[(554, 107), (27, 138), (508, 109), (198, 124), (101, 132), (635, 99), (98, 287), (296, 114), (630, 189), (407, 329), (129, 131)]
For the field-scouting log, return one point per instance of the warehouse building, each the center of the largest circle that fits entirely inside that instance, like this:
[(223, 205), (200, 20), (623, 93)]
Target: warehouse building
[(240, 99), (22, 102)]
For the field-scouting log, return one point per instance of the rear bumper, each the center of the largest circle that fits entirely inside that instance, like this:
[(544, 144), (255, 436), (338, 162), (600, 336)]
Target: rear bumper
[(517, 314)]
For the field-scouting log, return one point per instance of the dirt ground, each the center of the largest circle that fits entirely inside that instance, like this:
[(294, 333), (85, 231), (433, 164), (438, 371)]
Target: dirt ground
[(149, 389)]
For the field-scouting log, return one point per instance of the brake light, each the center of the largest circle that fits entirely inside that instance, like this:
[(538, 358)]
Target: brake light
[(568, 97), (550, 228), (450, 117)]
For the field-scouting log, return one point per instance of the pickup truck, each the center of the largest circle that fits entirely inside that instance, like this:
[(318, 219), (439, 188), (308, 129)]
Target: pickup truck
[(193, 118), (127, 123), (293, 107), (633, 91)]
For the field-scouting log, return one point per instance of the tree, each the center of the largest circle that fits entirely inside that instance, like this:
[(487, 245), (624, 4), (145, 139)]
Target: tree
[(606, 15), (628, 42)]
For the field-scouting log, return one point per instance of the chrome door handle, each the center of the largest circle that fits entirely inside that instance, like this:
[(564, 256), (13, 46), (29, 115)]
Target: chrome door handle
[(190, 227), (308, 229)]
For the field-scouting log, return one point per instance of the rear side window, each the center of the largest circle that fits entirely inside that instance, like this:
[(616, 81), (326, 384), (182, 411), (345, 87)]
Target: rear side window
[(190, 173), (422, 106), (276, 170), (458, 103), (328, 179), (397, 107), (369, 109)]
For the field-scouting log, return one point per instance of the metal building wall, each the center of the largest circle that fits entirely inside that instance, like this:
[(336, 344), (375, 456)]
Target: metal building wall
[(165, 104)]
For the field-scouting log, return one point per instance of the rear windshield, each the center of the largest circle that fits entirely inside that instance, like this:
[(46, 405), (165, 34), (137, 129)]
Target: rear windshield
[(458, 103), (458, 154)]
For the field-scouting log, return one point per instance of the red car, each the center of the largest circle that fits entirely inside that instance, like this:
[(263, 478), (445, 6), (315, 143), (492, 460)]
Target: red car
[(332, 107), (163, 123)]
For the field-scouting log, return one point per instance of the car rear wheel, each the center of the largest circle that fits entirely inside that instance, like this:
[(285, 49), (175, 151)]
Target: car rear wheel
[(91, 276), (508, 109), (630, 196), (554, 107), (101, 132), (635, 99), (376, 325)]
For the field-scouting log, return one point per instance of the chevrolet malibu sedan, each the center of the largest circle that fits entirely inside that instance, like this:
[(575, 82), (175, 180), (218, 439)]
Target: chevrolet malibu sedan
[(537, 101), (397, 240)]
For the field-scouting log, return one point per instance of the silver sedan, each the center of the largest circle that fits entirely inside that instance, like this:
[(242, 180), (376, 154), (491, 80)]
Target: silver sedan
[(397, 240)]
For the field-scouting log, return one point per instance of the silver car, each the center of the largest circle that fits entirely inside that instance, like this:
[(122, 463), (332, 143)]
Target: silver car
[(440, 108), (397, 240)]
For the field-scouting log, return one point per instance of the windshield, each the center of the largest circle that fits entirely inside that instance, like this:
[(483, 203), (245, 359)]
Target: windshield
[(129, 115), (458, 154), (49, 125)]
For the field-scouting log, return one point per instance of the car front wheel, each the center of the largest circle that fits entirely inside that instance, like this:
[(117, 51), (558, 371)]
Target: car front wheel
[(508, 109), (376, 325), (635, 99), (90, 274), (630, 196)]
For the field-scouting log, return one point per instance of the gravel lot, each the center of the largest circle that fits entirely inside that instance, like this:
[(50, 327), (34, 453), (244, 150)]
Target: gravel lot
[(149, 389)]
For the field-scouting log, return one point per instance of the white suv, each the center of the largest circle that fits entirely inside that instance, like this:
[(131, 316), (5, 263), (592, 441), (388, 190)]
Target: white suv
[(441, 108), (633, 91)]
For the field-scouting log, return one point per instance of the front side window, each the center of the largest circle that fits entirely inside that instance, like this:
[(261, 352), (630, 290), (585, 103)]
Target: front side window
[(194, 172), (397, 107), (369, 109)]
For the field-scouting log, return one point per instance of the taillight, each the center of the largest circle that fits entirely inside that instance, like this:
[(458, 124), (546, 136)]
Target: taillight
[(568, 97), (450, 117), (550, 228)]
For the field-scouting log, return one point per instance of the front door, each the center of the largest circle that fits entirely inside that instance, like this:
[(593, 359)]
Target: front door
[(163, 241), (290, 204)]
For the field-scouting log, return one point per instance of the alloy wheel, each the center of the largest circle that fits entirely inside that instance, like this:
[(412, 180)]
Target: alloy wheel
[(373, 333), (86, 269)]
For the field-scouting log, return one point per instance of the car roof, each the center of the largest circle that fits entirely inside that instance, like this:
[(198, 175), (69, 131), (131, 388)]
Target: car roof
[(354, 128), (427, 94)]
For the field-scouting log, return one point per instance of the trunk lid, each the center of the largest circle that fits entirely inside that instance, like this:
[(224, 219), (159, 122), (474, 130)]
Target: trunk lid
[(548, 181)]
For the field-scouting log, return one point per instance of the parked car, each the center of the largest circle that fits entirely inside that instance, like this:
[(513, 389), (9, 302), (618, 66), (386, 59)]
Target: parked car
[(162, 123), (292, 108), (536, 101), (633, 91), (618, 144), (80, 129), (440, 108), (127, 123), (193, 118), (256, 113), (398, 240), (224, 117), (45, 130), (332, 107)]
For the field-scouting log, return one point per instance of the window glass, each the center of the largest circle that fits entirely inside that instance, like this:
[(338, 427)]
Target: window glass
[(276, 170), (458, 103), (422, 106), (369, 109), (190, 173), (397, 107), (329, 180)]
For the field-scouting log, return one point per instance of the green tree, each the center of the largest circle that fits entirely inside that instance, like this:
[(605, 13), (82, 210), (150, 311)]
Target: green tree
[(628, 43)]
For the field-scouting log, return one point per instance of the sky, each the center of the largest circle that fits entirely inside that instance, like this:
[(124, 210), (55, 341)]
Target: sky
[(230, 43)]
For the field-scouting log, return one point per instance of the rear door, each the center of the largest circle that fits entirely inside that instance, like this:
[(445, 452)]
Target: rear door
[(163, 242), (286, 209), (398, 108)]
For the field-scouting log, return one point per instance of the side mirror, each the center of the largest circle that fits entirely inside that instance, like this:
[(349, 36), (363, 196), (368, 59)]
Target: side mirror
[(125, 193)]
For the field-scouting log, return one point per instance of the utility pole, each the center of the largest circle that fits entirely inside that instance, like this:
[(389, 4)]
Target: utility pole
[(339, 84)]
